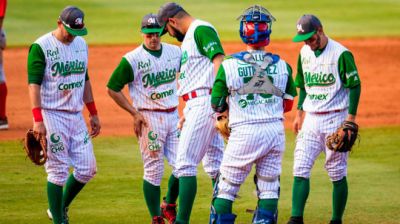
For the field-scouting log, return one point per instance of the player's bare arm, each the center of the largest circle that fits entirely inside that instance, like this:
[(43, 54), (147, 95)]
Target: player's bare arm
[(34, 95), (93, 118), (138, 120), (298, 121)]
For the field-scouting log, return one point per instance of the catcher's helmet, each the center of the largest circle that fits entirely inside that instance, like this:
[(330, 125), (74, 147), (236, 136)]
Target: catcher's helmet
[(255, 26)]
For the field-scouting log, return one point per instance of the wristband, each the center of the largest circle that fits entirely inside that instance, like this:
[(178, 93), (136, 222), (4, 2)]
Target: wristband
[(37, 114), (91, 108)]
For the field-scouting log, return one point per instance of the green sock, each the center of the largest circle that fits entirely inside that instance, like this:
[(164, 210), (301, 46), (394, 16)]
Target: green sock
[(339, 198), (268, 204), (54, 195), (223, 206), (301, 188), (187, 193), (173, 190), (71, 189), (152, 196)]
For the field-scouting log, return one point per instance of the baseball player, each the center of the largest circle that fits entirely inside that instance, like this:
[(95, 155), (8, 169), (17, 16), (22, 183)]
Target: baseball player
[(58, 87), (329, 93), (150, 71), (255, 118), (202, 54), (3, 86)]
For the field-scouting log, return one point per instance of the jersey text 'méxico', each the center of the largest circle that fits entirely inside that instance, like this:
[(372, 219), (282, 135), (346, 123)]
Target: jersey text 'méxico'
[(322, 81), (64, 75), (197, 71), (154, 84), (255, 108)]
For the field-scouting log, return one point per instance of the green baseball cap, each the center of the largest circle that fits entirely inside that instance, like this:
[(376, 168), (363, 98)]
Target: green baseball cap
[(150, 24), (72, 19), (307, 26)]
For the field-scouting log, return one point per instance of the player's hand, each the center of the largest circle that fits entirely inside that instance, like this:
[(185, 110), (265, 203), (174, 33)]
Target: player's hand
[(39, 127), (138, 124), (297, 124), (180, 122), (94, 125)]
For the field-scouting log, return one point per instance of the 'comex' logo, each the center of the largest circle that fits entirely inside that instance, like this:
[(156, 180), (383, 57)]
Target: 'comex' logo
[(300, 28)]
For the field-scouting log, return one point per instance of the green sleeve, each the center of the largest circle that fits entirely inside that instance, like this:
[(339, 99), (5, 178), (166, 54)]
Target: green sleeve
[(355, 93), (36, 64), (302, 97), (299, 82), (348, 71), (208, 42), (290, 87), (220, 89), (122, 75)]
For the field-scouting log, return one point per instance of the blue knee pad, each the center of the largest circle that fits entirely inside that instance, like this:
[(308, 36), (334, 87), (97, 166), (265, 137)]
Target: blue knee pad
[(221, 218), (262, 216)]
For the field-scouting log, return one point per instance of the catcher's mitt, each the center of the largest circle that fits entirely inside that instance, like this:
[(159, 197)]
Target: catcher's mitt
[(343, 139), (222, 125), (35, 146)]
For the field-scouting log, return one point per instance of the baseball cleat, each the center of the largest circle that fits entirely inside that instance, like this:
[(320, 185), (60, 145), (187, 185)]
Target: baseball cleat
[(49, 214), (296, 220), (157, 220), (335, 222), (168, 211), (3, 124)]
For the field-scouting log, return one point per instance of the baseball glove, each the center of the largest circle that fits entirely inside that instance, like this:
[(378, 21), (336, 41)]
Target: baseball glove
[(343, 139), (35, 146), (221, 124)]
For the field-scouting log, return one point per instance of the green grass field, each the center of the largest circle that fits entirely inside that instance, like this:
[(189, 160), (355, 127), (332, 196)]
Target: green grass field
[(118, 21), (115, 195)]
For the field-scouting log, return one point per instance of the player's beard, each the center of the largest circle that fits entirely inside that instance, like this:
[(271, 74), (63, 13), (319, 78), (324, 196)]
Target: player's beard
[(178, 35)]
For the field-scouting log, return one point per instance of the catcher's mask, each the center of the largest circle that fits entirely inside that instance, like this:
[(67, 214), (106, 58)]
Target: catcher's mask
[(255, 26)]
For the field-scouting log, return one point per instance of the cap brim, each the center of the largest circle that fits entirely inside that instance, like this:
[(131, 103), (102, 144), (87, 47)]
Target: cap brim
[(151, 30), (76, 32), (303, 37), (163, 30)]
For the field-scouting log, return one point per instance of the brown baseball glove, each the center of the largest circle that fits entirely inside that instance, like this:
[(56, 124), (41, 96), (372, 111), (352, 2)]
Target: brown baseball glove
[(343, 139), (222, 125), (35, 146)]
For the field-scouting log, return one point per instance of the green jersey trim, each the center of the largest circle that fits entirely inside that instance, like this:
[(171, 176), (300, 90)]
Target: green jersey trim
[(36, 64), (220, 89), (302, 97), (155, 53), (299, 80), (290, 87), (347, 70), (207, 42), (121, 76), (354, 97)]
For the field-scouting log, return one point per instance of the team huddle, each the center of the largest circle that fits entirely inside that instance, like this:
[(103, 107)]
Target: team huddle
[(252, 89)]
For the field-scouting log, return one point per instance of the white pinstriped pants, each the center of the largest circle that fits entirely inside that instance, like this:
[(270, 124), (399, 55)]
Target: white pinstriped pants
[(311, 141), (68, 144), (261, 144), (199, 140), (161, 132)]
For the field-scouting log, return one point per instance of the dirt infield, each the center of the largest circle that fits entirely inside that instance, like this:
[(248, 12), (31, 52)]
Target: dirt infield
[(377, 61)]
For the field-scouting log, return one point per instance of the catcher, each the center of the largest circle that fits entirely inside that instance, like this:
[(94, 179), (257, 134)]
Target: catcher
[(258, 87), (329, 93)]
